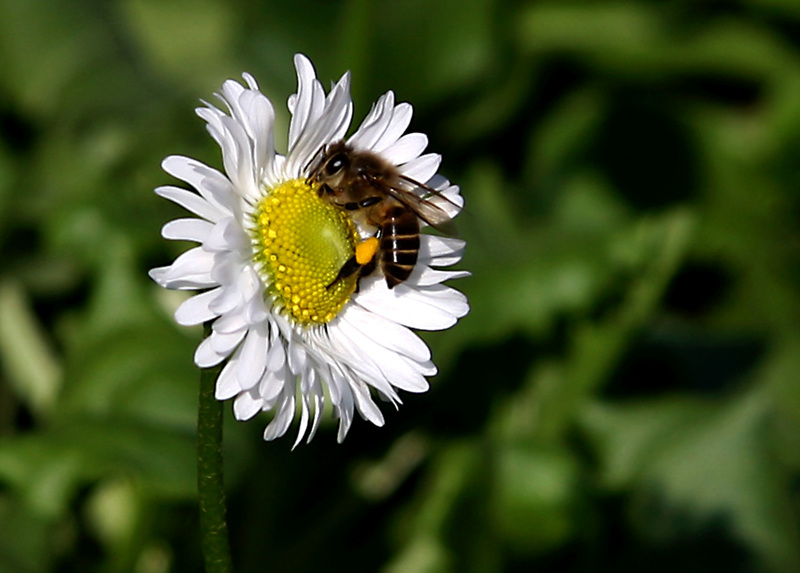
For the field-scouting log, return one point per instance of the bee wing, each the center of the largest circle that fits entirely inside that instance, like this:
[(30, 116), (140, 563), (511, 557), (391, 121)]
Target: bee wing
[(421, 205)]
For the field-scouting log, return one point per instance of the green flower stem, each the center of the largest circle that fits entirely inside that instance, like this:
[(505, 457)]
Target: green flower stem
[(210, 482)]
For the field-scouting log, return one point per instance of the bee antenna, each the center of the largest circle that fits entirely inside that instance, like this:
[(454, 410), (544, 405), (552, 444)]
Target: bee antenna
[(315, 159)]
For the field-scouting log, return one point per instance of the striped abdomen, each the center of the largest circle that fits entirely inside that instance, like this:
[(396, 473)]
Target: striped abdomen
[(399, 244)]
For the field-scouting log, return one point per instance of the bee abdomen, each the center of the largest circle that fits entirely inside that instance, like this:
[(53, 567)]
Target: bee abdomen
[(399, 245)]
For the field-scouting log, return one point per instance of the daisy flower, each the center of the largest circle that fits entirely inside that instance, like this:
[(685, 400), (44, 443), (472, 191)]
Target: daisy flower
[(296, 337)]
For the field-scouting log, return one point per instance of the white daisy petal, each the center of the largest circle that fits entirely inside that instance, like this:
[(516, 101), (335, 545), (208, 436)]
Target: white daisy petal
[(306, 105), (361, 347), (231, 322), (319, 402), (297, 357), (186, 230), (391, 365), (227, 383), (283, 417), (246, 405), (304, 417), (406, 148), (191, 270), (276, 357), (226, 235), (422, 168), (366, 406), (401, 117), (426, 276), (442, 296), (375, 124), (448, 199), (237, 157), (392, 334), (159, 275), (440, 251), (331, 125), (212, 185), (231, 90), (191, 202), (354, 351), (413, 308), (326, 372), (255, 113), (252, 359), (272, 384), (196, 310), (206, 356), (344, 408), (262, 117), (256, 312), (227, 299), (225, 342)]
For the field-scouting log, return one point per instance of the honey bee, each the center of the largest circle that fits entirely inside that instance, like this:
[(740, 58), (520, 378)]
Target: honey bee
[(380, 197)]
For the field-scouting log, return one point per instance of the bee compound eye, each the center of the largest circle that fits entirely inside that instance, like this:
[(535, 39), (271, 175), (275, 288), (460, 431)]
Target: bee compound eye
[(336, 164)]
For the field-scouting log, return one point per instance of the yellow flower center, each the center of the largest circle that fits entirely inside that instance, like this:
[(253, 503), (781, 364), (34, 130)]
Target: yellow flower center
[(301, 242)]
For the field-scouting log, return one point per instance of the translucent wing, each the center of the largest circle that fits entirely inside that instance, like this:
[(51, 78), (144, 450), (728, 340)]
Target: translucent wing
[(421, 205)]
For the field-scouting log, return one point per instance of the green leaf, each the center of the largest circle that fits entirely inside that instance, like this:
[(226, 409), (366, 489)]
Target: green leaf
[(33, 370), (534, 495), (48, 468), (28, 543), (709, 457), (195, 49)]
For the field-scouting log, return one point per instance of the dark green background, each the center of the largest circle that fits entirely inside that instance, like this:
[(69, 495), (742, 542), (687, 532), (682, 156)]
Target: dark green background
[(624, 394)]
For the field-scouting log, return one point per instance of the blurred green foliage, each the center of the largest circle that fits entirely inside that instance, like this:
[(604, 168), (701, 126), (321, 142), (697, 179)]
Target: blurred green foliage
[(623, 396)]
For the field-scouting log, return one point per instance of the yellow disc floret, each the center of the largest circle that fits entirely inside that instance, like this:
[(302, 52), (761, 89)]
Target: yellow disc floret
[(302, 242)]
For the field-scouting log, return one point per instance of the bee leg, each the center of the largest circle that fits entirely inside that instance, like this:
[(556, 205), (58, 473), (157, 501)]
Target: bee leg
[(365, 270), (364, 257), (369, 202), (350, 267), (356, 205)]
